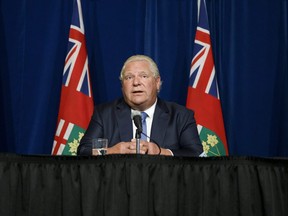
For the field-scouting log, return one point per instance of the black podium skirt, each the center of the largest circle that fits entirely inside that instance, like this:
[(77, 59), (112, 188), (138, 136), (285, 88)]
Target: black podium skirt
[(142, 185)]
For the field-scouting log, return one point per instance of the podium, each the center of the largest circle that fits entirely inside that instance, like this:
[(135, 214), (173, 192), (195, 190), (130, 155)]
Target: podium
[(142, 185)]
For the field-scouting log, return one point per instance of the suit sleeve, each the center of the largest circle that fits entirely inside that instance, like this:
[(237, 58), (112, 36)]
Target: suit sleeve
[(189, 140), (95, 129)]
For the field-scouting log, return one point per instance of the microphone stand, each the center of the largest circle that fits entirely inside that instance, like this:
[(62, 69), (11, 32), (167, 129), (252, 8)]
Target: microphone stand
[(138, 136)]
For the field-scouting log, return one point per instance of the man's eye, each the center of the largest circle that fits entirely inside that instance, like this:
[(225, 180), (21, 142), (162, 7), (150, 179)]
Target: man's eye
[(128, 77), (144, 76)]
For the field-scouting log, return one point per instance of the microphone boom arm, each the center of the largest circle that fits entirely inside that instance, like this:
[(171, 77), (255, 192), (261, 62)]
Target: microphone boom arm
[(138, 136)]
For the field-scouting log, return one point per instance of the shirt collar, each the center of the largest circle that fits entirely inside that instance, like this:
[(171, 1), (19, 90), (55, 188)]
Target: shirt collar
[(150, 111)]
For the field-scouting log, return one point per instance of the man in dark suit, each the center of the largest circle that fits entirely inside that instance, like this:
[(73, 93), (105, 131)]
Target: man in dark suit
[(171, 128)]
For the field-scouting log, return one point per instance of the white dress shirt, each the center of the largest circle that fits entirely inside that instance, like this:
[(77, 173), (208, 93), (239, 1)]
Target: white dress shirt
[(149, 119)]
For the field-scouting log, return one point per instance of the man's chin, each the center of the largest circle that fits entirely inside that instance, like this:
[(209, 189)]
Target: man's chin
[(138, 99), (137, 104)]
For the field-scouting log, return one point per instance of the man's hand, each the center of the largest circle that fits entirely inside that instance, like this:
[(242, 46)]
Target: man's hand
[(154, 149), (145, 148), (127, 148)]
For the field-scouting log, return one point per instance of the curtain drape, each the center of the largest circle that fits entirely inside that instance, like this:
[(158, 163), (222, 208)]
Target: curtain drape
[(251, 51), (249, 40)]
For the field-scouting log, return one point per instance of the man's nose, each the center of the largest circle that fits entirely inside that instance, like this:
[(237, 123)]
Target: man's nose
[(136, 80)]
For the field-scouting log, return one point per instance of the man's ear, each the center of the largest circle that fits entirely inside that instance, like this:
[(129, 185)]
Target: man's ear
[(158, 83)]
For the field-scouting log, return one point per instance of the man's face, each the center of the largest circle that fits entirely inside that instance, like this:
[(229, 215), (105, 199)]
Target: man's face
[(139, 86)]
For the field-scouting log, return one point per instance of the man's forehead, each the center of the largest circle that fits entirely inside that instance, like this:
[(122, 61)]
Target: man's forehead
[(137, 67), (136, 71)]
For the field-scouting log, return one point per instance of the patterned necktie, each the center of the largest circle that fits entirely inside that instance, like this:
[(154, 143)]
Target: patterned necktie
[(144, 126)]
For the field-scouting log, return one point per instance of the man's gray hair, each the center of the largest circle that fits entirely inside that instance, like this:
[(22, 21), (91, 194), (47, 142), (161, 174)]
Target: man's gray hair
[(153, 66)]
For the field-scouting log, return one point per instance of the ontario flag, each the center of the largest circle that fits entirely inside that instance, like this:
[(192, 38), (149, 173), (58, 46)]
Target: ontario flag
[(76, 102), (203, 95)]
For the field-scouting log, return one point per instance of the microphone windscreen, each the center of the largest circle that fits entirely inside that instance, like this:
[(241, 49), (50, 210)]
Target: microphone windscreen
[(137, 119), (135, 113)]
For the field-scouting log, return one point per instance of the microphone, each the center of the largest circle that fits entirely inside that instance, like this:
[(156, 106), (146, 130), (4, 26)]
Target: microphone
[(136, 117)]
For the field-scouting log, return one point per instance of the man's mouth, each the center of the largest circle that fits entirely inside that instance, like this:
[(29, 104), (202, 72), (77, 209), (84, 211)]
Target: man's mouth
[(137, 92)]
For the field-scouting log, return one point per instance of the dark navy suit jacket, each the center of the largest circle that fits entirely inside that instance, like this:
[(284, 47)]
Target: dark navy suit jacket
[(173, 127)]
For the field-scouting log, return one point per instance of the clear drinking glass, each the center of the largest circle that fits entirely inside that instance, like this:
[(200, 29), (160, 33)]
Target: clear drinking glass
[(99, 146)]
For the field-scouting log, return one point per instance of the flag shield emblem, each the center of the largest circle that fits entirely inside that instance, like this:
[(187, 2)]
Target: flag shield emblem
[(212, 144), (73, 141)]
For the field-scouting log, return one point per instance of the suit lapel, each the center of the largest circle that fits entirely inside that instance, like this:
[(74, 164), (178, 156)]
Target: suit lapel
[(123, 118), (160, 122)]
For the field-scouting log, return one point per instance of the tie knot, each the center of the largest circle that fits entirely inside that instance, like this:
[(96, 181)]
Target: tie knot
[(144, 116)]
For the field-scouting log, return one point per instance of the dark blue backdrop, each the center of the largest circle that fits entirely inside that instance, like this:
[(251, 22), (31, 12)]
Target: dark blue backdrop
[(250, 45)]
